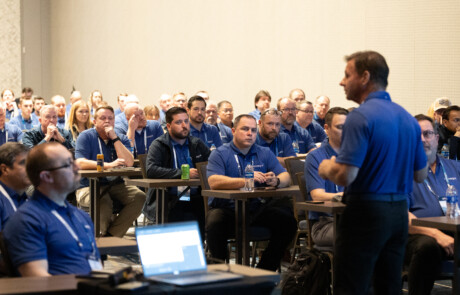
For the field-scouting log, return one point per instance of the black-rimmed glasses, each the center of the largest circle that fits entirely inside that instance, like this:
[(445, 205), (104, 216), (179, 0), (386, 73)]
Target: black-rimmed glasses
[(67, 165)]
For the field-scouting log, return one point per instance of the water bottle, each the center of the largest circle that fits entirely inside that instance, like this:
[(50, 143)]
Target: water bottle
[(213, 147), (445, 151), (452, 202), (295, 146), (249, 178)]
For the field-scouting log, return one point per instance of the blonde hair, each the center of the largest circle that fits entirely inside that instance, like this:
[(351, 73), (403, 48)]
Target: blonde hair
[(72, 120)]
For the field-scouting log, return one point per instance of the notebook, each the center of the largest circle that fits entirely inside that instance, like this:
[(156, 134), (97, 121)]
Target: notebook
[(173, 253)]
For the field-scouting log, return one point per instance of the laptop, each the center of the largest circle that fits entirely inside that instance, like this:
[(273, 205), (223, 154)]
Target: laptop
[(173, 253)]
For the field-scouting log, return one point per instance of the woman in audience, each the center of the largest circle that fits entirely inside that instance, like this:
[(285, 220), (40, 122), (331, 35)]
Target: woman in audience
[(95, 100), (79, 118), (10, 104), (152, 113)]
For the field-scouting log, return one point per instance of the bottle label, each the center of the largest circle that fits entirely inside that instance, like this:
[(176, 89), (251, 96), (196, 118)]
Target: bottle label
[(452, 199), (249, 174)]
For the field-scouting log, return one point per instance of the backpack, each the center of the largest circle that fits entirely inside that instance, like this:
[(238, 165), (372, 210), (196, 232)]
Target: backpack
[(308, 275)]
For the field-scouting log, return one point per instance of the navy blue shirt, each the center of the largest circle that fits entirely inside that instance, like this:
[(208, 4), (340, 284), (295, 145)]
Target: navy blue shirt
[(256, 114), (208, 134), (181, 155), (312, 178), (14, 134), (225, 132), (317, 132), (422, 201), (318, 120), (383, 140), (145, 137), (24, 124), (6, 209), (281, 146), (301, 136), (35, 233)]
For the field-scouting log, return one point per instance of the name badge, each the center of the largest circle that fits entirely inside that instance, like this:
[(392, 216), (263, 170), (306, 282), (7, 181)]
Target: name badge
[(443, 204), (95, 264), (185, 197)]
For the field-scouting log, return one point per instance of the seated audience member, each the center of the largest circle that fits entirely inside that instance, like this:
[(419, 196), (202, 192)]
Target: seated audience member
[(102, 139), (38, 103), (152, 113), (59, 102), (165, 103), (95, 99), (8, 132), (204, 94), (211, 118), (226, 171), (47, 131), (79, 119), (322, 104), (297, 94), (324, 190), (179, 100), (302, 142), (196, 109), (13, 179), (225, 112), (10, 105), (304, 119), (269, 135), (428, 247), (74, 97), (262, 102), (47, 235), (437, 109), (121, 123), (165, 158), (141, 132), (449, 131), (25, 121), (121, 103), (27, 92)]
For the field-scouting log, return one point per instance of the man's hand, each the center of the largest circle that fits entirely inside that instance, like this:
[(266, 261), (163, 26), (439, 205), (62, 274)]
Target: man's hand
[(259, 177), (446, 242), (194, 173), (50, 132), (325, 167), (110, 132), (457, 133), (116, 163), (133, 122), (270, 179)]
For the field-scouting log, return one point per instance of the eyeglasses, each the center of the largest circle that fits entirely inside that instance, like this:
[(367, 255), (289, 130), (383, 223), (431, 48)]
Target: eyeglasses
[(305, 111), (455, 120), (65, 166), (271, 111), (428, 134), (288, 110), (227, 110)]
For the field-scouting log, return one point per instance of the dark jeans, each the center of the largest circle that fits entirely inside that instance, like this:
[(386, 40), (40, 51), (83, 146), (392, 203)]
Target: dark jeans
[(423, 261), (371, 238), (220, 225), (186, 211)]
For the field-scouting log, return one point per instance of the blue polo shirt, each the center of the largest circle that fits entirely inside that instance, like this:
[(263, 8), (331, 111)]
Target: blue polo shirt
[(312, 178), (9, 114), (208, 134), (317, 132), (162, 115), (24, 124), (14, 134), (61, 122), (121, 124), (229, 161), (281, 146), (144, 138), (6, 209), (35, 233), (318, 120), (256, 114), (422, 201), (383, 140), (117, 111), (88, 147), (225, 133), (181, 155), (301, 136)]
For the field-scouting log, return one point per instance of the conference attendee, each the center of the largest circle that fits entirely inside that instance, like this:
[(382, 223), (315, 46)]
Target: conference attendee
[(225, 113), (47, 235), (74, 97), (437, 109), (165, 158), (204, 94), (262, 102), (318, 189), (27, 92), (196, 109), (380, 154), (280, 144), (121, 123), (59, 102), (304, 119), (8, 132), (25, 121), (322, 104), (302, 142), (13, 179), (10, 104), (121, 103), (79, 119), (449, 131), (212, 119), (48, 130), (428, 247), (102, 139), (152, 113), (179, 100), (226, 171), (297, 94), (38, 103), (95, 99), (165, 103), (141, 132)]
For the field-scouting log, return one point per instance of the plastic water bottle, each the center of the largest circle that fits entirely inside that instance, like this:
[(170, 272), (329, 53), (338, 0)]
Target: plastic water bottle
[(295, 146), (249, 178), (445, 151), (213, 147), (452, 201)]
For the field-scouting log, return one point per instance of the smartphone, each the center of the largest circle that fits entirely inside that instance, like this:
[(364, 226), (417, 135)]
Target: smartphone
[(314, 202), (133, 286)]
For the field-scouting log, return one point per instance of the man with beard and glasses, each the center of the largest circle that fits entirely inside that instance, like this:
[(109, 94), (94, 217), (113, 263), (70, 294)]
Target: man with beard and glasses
[(304, 119), (165, 158), (196, 109), (225, 132), (47, 235)]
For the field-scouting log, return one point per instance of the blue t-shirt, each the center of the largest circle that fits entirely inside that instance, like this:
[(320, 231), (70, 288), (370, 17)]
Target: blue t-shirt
[(89, 144), (301, 136), (424, 202), (383, 140), (61, 122), (256, 114), (117, 111), (6, 209), (35, 233), (317, 132), (281, 146), (14, 134), (121, 123), (24, 124), (225, 132), (229, 161), (312, 178), (208, 134), (145, 137)]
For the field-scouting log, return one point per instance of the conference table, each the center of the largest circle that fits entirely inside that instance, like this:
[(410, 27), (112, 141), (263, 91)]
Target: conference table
[(161, 184), (241, 198), (116, 245), (95, 189), (445, 223)]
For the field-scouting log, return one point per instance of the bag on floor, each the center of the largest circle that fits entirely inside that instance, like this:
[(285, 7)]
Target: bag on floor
[(308, 275)]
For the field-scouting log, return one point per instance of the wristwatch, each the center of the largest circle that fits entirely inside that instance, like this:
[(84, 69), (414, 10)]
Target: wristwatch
[(278, 181), (116, 139)]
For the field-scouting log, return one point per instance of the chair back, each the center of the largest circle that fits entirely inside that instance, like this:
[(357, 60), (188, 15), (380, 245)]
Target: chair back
[(294, 166), (202, 167), (6, 266), (303, 196), (143, 162)]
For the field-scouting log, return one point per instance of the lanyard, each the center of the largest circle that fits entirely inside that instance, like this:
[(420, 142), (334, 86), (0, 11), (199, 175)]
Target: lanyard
[(7, 196), (276, 146), (145, 140), (176, 160), (445, 177), (240, 168)]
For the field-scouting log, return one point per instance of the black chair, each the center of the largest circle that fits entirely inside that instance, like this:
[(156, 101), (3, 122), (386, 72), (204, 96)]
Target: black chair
[(293, 166), (6, 266)]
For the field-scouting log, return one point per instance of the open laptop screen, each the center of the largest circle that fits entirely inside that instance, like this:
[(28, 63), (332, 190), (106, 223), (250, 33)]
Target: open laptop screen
[(170, 248)]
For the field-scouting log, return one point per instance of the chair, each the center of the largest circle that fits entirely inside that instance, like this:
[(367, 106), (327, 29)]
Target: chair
[(303, 226), (293, 166), (6, 266), (143, 163)]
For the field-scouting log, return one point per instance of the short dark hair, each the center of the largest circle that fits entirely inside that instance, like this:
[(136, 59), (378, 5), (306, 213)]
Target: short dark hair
[(422, 117), (221, 103), (38, 161), (27, 89), (22, 99), (103, 107), (260, 94), (193, 99), (446, 114), (173, 111), (9, 151), (330, 114), (238, 119), (374, 63)]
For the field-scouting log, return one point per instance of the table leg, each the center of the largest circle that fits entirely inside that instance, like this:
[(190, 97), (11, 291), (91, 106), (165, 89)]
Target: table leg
[(241, 233), (91, 201), (456, 280), (94, 205), (157, 209), (163, 205)]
